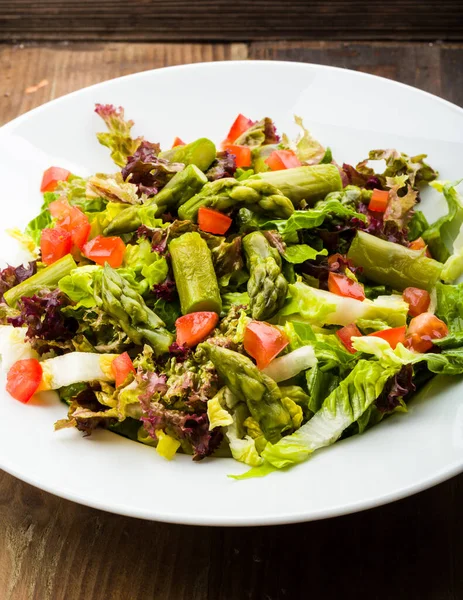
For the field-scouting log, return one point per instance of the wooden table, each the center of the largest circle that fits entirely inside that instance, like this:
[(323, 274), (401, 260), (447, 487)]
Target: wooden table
[(52, 549)]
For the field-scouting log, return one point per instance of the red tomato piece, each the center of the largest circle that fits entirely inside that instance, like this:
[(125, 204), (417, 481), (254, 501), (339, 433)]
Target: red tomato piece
[(72, 219), (54, 244), (423, 329), (194, 327), (420, 244), (105, 250), (418, 300), (343, 286), (379, 200), (59, 209), (282, 159), (242, 154), (51, 177), (345, 335), (240, 125), (24, 378), (393, 335), (264, 342), (213, 221), (121, 366), (178, 142)]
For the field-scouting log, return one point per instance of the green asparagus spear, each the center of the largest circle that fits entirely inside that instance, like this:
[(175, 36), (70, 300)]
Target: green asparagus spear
[(126, 221), (304, 183), (250, 385), (267, 287), (178, 190), (222, 194), (194, 274), (128, 309), (201, 153), (393, 264), (47, 277)]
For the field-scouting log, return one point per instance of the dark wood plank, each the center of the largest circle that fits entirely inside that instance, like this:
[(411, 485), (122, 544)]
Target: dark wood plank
[(223, 20), (435, 68), (69, 67), (52, 549)]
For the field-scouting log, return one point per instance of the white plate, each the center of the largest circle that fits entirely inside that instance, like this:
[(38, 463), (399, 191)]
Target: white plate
[(352, 113)]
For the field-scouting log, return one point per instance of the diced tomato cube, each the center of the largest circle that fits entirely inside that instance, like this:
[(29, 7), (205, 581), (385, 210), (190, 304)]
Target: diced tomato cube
[(264, 342), (418, 300), (240, 125), (394, 335), (282, 159), (345, 335), (105, 250), (242, 154), (379, 200), (54, 244), (423, 329), (178, 142), (213, 221), (195, 327), (51, 177), (121, 366), (344, 286), (24, 378)]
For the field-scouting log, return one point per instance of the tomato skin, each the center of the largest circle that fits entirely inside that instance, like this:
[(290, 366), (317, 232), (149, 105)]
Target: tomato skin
[(73, 220), (420, 244), (24, 378), (343, 286), (240, 125), (194, 327), (282, 159), (105, 250), (345, 335), (121, 366), (394, 335), (378, 201), (423, 329), (178, 142), (417, 299), (263, 342), (213, 221), (51, 177), (54, 244), (242, 154)]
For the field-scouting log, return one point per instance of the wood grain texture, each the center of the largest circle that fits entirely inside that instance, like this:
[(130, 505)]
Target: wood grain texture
[(222, 20), (69, 67), (52, 549), (435, 68)]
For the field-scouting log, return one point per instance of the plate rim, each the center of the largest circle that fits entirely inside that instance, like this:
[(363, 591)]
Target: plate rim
[(280, 518)]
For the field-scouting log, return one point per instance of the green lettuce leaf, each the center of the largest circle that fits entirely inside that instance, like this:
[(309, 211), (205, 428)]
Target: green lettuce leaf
[(299, 253), (42, 220), (320, 307), (78, 285), (307, 148), (443, 233), (344, 406), (118, 138)]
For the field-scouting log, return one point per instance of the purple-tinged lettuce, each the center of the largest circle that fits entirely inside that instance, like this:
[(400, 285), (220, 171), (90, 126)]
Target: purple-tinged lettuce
[(223, 166), (11, 276), (47, 327), (118, 139), (147, 171)]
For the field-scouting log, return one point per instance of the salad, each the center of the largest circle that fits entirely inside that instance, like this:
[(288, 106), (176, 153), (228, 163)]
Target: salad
[(258, 300)]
